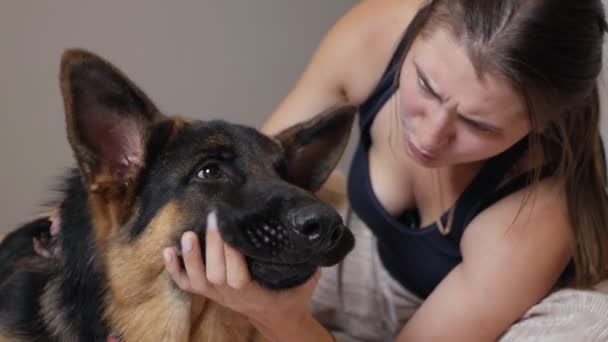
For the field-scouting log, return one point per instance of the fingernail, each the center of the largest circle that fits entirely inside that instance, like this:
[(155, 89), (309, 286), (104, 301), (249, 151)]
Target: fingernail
[(167, 255), (186, 243), (212, 221)]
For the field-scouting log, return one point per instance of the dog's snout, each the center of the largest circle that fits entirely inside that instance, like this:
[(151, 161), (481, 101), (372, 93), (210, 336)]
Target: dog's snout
[(314, 222), (336, 235), (308, 226)]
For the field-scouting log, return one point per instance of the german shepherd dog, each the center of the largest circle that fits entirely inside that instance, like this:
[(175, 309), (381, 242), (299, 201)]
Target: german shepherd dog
[(144, 178)]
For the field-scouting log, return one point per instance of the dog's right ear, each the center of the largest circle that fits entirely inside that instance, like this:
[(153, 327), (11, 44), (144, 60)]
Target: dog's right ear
[(313, 148), (109, 121)]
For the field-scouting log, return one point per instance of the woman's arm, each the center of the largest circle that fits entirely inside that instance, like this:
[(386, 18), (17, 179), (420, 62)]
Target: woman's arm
[(348, 62), (508, 266)]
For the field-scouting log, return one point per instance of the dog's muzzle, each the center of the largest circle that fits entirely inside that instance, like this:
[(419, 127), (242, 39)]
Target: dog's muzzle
[(283, 247)]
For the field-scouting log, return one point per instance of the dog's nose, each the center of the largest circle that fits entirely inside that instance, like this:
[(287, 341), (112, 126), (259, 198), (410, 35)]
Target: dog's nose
[(314, 221)]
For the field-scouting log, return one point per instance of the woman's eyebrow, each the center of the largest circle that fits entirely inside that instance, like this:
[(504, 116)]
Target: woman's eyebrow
[(425, 79)]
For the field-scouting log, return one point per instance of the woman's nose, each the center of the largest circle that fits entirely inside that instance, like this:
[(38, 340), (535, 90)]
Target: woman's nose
[(436, 131)]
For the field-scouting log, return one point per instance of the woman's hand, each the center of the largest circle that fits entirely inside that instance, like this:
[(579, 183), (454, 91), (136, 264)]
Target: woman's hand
[(225, 279)]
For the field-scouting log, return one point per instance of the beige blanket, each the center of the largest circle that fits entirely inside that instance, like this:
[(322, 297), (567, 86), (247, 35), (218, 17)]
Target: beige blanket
[(565, 316)]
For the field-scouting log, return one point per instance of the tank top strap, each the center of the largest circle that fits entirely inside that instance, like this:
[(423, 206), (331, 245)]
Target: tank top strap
[(484, 187)]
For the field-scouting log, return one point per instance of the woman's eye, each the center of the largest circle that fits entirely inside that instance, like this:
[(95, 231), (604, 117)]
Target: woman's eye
[(423, 85), (210, 172), (478, 126)]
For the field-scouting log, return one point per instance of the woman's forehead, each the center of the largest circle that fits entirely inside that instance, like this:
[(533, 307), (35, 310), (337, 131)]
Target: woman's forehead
[(447, 65)]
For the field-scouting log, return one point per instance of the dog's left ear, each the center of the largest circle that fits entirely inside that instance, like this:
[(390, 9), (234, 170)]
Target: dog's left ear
[(109, 124), (314, 148)]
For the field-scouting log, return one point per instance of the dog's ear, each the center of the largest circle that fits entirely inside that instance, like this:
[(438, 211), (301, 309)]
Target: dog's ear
[(314, 148), (109, 122)]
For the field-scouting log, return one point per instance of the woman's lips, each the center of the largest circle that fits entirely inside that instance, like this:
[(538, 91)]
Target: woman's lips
[(420, 155), (414, 151)]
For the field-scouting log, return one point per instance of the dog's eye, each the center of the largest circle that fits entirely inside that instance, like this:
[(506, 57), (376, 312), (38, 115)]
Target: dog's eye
[(210, 172)]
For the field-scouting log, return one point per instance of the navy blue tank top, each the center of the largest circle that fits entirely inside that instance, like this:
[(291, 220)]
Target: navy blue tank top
[(420, 257)]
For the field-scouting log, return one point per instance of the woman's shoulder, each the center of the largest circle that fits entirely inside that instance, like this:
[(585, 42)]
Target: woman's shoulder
[(373, 29), (373, 20), (348, 62), (536, 214)]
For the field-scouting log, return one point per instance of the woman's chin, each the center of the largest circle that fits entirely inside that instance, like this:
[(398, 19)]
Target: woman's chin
[(422, 158)]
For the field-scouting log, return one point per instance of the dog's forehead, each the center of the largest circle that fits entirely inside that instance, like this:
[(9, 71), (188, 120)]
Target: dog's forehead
[(242, 141)]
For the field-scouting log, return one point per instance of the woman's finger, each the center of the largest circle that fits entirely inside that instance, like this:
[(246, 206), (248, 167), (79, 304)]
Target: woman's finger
[(237, 273), (193, 262), (214, 250), (172, 266)]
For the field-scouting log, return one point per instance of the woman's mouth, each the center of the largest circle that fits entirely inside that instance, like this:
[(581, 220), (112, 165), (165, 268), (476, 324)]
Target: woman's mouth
[(419, 155)]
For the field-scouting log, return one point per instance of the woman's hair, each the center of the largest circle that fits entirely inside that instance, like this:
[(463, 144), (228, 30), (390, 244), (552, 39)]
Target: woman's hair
[(551, 53)]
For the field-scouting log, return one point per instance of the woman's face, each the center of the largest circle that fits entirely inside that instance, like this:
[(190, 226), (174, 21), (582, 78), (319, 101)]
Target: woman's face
[(451, 115)]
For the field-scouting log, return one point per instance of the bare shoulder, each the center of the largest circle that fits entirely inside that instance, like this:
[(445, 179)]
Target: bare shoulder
[(537, 209), (519, 226), (348, 61), (375, 26)]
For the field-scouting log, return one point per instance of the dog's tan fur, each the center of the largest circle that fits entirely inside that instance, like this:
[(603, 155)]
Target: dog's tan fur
[(144, 304)]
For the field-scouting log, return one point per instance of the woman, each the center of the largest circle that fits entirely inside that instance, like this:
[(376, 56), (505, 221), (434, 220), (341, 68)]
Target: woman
[(479, 172)]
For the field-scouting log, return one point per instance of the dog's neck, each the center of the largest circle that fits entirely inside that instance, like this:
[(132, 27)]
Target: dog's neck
[(197, 309), (175, 316), (157, 313)]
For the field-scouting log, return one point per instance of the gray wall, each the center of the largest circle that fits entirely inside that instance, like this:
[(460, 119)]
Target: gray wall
[(230, 59)]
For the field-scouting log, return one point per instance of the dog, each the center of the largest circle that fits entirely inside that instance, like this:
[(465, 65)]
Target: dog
[(143, 178)]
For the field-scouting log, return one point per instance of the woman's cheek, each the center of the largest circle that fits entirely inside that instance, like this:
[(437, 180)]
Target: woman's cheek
[(410, 102)]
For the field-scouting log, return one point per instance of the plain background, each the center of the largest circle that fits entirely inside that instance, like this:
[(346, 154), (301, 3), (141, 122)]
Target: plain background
[(229, 59)]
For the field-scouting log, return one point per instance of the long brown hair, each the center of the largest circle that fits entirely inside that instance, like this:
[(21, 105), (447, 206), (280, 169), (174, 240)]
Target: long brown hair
[(551, 53)]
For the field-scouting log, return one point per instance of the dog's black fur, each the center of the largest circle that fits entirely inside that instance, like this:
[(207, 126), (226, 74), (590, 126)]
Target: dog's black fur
[(142, 180)]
